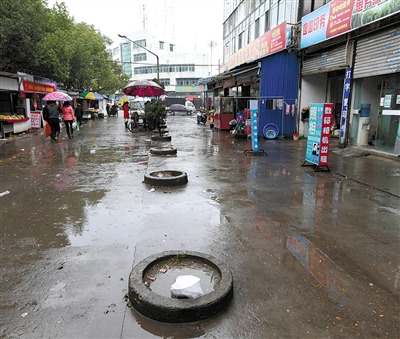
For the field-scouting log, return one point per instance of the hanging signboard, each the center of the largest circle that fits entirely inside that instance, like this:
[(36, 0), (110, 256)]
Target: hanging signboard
[(341, 16), (275, 40), (318, 139)]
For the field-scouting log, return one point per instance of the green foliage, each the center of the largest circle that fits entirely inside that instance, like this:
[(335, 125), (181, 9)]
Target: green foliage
[(47, 42), (154, 110), (159, 82)]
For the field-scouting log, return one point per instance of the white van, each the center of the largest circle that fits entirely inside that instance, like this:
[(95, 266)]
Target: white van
[(137, 105), (189, 105)]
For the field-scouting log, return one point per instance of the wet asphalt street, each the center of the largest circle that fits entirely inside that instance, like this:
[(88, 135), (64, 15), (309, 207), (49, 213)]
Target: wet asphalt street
[(313, 255)]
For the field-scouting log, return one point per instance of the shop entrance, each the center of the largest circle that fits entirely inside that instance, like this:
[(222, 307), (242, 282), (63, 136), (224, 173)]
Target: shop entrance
[(335, 95)]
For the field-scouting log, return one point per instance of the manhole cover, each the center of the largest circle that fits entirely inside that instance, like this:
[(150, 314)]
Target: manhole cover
[(150, 282), (166, 178)]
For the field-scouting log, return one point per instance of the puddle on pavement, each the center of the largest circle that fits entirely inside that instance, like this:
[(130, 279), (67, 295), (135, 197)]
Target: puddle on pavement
[(209, 276)]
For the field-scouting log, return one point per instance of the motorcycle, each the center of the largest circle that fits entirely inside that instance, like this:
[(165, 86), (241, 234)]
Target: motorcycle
[(201, 117)]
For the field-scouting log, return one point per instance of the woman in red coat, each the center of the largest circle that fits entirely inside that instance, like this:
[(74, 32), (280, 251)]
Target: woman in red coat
[(126, 113), (69, 118)]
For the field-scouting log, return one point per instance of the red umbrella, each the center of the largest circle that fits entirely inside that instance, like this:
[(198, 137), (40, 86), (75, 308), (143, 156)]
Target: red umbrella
[(191, 97), (143, 88)]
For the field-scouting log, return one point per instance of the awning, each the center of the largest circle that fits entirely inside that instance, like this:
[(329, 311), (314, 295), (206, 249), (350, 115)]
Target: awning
[(244, 68)]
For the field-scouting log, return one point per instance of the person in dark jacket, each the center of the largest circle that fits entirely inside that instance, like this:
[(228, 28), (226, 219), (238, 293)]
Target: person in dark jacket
[(51, 114), (79, 115)]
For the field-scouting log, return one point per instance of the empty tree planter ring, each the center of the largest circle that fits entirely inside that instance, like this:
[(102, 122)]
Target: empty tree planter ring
[(166, 178), (163, 150), (161, 138), (173, 310)]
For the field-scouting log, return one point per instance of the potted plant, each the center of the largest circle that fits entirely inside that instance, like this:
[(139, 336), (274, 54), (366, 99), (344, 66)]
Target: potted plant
[(154, 113)]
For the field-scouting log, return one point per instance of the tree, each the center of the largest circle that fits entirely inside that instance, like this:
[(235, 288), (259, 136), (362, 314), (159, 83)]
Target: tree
[(22, 27), (47, 42)]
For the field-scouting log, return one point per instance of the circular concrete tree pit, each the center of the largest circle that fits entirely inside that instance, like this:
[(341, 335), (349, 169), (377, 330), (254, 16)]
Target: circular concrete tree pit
[(163, 150), (166, 178), (161, 138), (150, 282)]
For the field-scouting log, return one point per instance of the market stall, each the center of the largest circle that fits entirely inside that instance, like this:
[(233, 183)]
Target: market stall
[(92, 105), (13, 124)]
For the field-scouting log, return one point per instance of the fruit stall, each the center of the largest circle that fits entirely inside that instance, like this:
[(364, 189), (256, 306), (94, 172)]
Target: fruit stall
[(13, 124)]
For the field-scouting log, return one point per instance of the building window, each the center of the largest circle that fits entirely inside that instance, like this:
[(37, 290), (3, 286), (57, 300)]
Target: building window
[(186, 81), (281, 11), (166, 82), (161, 44), (312, 5), (240, 41), (256, 29), (140, 43), (171, 47), (266, 27), (139, 57), (165, 69)]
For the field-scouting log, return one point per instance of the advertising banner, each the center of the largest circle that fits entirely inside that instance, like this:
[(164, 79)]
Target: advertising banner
[(273, 41), (341, 16), (37, 87), (254, 124), (345, 105), (319, 132)]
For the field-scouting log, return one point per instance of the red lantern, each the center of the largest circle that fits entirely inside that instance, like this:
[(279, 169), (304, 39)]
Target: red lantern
[(21, 95), (35, 96)]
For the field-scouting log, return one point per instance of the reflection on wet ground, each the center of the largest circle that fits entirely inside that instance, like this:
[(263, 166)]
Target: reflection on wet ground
[(312, 254)]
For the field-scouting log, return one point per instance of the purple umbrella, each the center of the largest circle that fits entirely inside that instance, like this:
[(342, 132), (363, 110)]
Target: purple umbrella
[(57, 96)]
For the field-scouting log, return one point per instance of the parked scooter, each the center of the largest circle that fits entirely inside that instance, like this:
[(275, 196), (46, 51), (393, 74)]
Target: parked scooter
[(201, 116)]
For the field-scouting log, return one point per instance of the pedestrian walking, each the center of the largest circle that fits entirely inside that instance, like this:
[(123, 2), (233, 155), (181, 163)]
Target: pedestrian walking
[(51, 114), (79, 116), (114, 109), (69, 118), (126, 113)]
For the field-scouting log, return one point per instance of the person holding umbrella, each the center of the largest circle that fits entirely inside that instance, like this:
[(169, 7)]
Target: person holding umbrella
[(51, 114), (126, 113), (69, 118)]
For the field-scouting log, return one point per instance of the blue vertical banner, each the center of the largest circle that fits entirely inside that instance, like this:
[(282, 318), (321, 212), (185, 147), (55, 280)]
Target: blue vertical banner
[(345, 106), (314, 133), (254, 124)]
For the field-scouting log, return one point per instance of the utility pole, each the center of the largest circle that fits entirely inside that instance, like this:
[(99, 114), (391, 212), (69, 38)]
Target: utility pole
[(211, 44)]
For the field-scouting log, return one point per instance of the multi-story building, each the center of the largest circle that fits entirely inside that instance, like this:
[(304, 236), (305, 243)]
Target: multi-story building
[(289, 54), (260, 62), (143, 56)]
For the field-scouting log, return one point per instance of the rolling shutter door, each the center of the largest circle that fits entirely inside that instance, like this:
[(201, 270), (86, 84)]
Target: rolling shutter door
[(332, 60), (378, 54)]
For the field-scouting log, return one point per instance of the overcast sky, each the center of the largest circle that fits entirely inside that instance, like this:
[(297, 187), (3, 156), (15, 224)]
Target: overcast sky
[(190, 24)]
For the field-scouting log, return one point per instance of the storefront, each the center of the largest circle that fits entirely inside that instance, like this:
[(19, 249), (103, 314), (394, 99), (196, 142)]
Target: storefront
[(33, 89), (350, 59), (322, 81), (376, 91), (13, 118)]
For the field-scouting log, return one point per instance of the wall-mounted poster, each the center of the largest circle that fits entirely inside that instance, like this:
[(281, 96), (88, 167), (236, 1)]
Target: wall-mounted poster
[(319, 129)]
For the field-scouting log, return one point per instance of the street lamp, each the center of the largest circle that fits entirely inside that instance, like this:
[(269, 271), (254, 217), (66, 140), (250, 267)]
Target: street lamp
[(158, 65)]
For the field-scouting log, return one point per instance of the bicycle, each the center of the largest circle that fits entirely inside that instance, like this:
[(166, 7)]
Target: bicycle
[(133, 126)]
